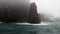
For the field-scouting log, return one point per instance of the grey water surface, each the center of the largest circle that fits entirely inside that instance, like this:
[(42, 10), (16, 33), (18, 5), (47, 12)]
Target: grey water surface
[(21, 28)]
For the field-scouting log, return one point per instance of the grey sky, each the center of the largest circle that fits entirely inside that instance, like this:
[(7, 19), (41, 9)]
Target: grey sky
[(48, 6)]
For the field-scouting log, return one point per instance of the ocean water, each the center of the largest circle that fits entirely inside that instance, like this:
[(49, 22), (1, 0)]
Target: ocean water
[(42, 23), (51, 28), (27, 28)]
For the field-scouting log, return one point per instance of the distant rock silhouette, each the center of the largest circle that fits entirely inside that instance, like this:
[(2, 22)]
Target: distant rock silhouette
[(33, 15), (18, 11)]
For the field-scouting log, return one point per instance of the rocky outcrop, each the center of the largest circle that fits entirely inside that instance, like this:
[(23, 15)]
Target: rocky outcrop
[(33, 15)]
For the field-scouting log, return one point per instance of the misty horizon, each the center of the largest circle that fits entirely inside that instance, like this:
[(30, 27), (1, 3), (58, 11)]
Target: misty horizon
[(51, 7)]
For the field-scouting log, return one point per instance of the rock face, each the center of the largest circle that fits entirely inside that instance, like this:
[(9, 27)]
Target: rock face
[(18, 11), (33, 15), (14, 10)]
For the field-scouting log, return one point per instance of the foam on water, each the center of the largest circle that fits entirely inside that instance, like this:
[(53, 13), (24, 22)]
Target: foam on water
[(32, 24), (42, 23)]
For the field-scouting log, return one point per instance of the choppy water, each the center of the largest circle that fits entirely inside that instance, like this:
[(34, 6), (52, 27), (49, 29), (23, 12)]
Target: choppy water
[(27, 28), (42, 23)]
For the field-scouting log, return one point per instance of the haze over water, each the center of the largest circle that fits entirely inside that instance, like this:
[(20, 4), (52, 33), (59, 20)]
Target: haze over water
[(51, 7)]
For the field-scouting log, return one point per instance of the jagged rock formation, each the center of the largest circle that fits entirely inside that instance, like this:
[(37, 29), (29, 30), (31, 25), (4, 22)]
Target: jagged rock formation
[(18, 11), (33, 15)]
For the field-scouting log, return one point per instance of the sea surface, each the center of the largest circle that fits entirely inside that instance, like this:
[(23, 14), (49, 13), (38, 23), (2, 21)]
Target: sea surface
[(27, 28)]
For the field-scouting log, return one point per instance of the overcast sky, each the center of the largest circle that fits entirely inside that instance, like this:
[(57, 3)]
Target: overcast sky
[(48, 6)]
